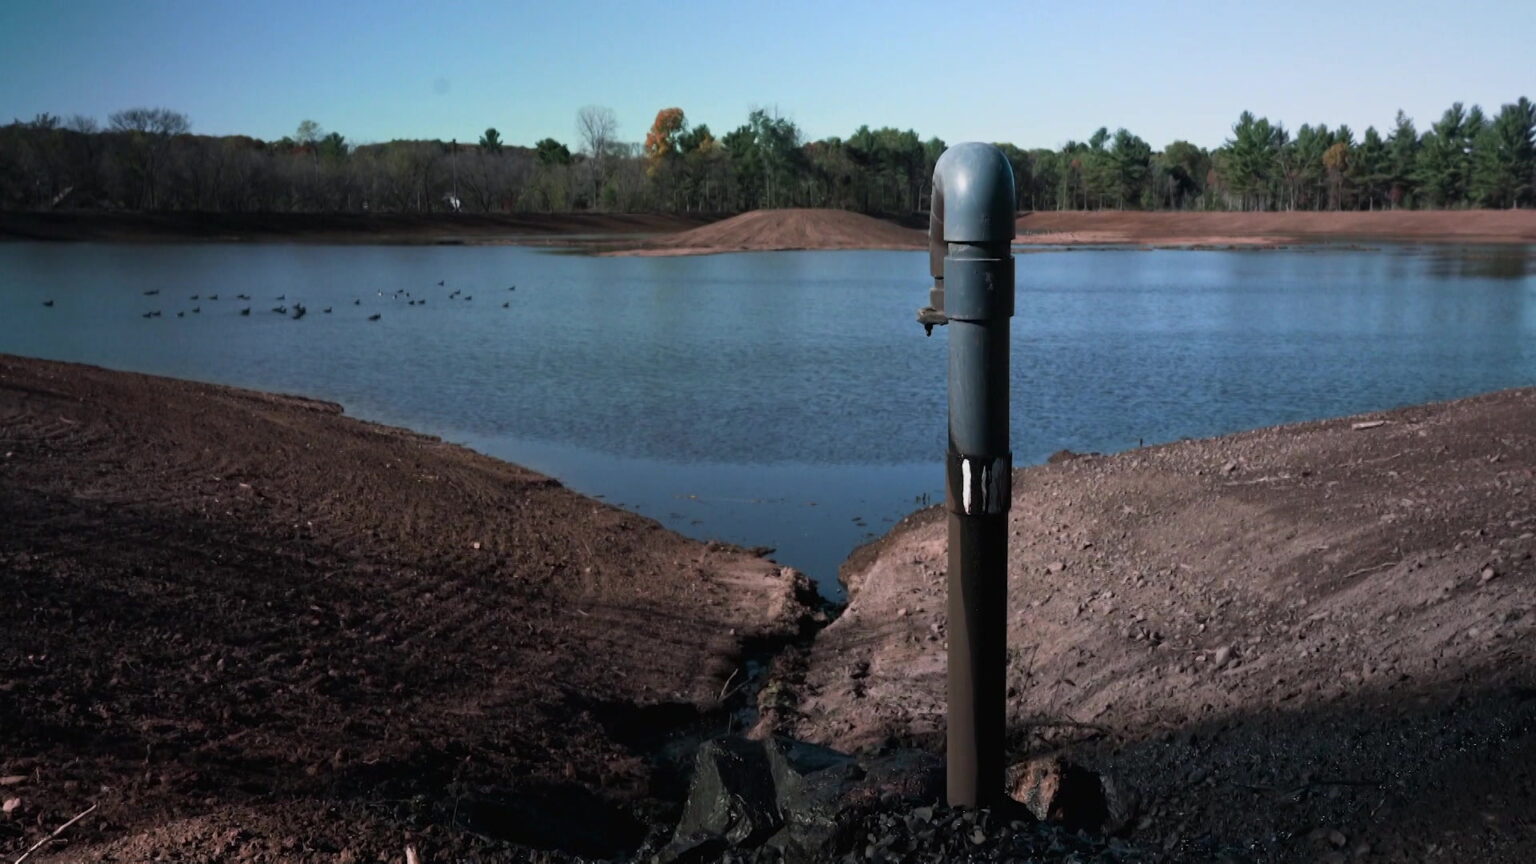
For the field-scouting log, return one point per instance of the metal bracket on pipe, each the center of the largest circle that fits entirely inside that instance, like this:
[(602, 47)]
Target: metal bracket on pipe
[(979, 487)]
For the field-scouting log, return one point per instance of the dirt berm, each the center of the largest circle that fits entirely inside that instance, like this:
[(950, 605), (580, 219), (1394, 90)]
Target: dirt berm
[(1303, 643), (785, 230), (245, 627)]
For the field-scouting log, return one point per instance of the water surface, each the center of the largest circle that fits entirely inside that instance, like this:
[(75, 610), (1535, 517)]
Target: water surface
[(782, 399)]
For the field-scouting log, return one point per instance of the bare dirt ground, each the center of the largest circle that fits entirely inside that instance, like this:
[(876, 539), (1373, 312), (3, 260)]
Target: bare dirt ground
[(247, 628), (1100, 227), (1305, 643), (779, 230), (466, 228)]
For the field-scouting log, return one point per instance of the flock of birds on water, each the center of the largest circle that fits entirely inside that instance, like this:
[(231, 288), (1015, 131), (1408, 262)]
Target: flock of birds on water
[(299, 310)]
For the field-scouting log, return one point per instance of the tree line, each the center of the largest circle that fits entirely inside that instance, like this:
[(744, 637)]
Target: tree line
[(149, 159)]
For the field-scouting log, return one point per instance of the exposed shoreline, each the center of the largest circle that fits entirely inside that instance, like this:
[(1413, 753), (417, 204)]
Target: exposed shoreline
[(233, 607), (779, 230), (1347, 601), (1261, 230), (1316, 627), (344, 228)]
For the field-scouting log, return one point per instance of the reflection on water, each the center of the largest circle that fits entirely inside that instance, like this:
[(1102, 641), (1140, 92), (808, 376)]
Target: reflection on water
[(783, 399)]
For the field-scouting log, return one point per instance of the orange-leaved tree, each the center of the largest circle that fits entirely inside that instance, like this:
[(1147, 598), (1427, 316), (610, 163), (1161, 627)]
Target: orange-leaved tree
[(661, 141)]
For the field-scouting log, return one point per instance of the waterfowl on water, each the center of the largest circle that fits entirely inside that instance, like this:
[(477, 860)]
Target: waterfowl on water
[(298, 311), (375, 316), (245, 311), (152, 293), (281, 310), (326, 310), (440, 282), (196, 309), (48, 303), (469, 298), (282, 296), (213, 296), (195, 297), (181, 314), (242, 296), (357, 302), (505, 305)]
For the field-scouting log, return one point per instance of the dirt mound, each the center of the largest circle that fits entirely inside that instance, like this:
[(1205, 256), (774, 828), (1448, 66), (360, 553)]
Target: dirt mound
[(224, 602), (774, 230), (1079, 227), (1287, 641)]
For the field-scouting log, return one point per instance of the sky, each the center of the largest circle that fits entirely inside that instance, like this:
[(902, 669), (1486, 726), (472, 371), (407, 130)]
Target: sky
[(1036, 74)]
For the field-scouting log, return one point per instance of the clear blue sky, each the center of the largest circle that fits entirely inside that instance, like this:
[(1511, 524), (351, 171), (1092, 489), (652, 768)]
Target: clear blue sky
[(1036, 74)]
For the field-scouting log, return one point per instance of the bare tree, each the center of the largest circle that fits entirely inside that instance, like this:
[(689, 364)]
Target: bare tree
[(596, 127), (150, 131)]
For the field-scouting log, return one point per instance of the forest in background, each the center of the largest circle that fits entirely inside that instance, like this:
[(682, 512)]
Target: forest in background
[(148, 159)]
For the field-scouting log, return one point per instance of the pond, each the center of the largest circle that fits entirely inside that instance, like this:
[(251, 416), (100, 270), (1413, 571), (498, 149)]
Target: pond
[(782, 399)]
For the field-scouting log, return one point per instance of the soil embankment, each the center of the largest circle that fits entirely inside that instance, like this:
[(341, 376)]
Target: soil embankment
[(785, 230), (1302, 641), (1124, 227), (246, 627), (385, 228)]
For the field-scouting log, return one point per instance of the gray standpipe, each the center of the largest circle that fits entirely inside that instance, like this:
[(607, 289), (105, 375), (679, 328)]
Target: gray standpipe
[(970, 233)]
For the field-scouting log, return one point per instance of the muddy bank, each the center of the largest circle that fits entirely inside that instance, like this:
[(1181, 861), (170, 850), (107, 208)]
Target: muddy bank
[(1295, 642), (405, 229), (784, 230), (246, 627), (1101, 227)]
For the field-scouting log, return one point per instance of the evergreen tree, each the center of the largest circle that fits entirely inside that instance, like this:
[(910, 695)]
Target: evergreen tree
[(1504, 162)]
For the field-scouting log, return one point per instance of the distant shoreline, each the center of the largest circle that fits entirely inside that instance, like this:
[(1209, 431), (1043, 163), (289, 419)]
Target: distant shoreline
[(660, 234), (1136, 228), (342, 228)]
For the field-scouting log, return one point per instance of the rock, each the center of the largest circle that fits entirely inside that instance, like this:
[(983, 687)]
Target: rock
[(10, 805), (13, 779), (1074, 797), (1487, 575), (1222, 657), (799, 798), (1229, 468), (1337, 839), (730, 802)]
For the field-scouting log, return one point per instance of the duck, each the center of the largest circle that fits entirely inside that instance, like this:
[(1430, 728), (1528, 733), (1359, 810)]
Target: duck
[(242, 296), (152, 292), (298, 311), (245, 311), (281, 310), (181, 314), (441, 282), (375, 316), (282, 296), (197, 310), (48, 303), (211, 297), (505, 305), (357, 302), (195, 297), (326, 310)]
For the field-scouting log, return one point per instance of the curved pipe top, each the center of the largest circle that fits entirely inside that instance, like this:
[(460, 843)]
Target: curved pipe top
[(973, 200)]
